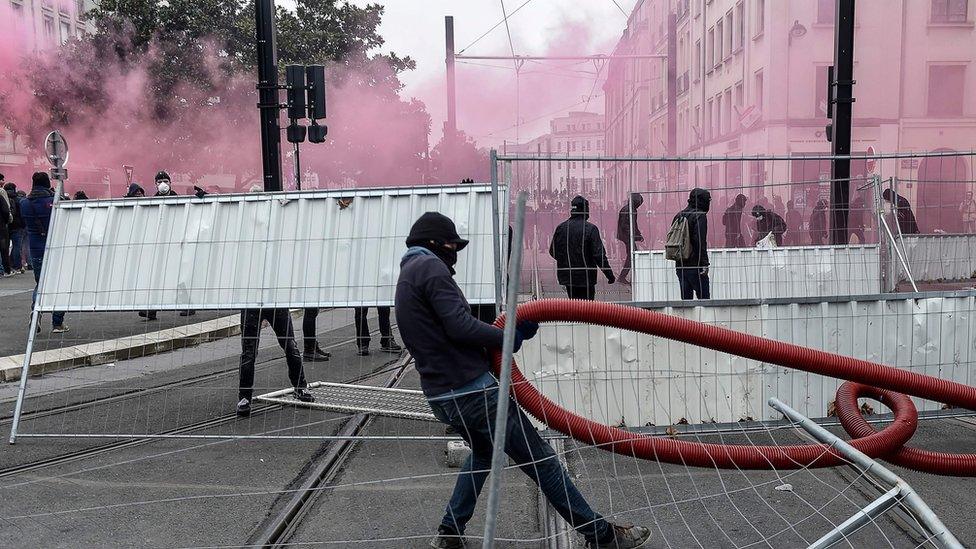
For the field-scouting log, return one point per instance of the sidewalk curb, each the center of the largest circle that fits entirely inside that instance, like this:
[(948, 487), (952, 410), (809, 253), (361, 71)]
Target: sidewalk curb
[(104, 352)]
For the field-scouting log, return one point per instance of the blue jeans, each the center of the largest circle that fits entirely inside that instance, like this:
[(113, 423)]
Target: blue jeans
[(17, 249), (472, 416), (693, 282), (57, 319)]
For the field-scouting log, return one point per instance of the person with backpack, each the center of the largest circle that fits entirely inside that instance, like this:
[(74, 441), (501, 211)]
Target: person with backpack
[(732, 220), (579, 253), (768, 222), (626, 219), (687, 245), (36, 210)]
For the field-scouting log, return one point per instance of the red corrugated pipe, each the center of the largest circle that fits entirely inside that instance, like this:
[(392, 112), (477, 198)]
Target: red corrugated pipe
[(889, 385)]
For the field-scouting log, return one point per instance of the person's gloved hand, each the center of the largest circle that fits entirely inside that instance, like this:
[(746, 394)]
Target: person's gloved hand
[(528, 328), (200, 193), (611, 279)]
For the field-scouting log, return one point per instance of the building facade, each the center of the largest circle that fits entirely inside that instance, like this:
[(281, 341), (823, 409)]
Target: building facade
[(751, 79)]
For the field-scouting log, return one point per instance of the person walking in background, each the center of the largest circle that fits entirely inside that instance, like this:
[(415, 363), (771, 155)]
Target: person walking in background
[(451, 350), (387, 343), (135, 191), (36, 210), (280, 321), (855, 218), (312, 351), (579, 253), (690, 226), (818, 223), (768, 222), (903, 212), (80, 195), (16, 229), (626, 219), (794, 225), (732, 220), (6, 220), (968, 211)]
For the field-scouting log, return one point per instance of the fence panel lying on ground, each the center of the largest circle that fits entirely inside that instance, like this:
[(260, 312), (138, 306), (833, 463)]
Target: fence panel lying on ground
[(619, 377), (750, 273), (240, 251), (937, 257)]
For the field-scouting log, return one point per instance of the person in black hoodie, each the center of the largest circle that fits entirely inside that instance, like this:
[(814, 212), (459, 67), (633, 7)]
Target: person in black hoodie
[(732, 219), (903, 212), (36, 209), (818, 223), (626, 219), (6, 222), (450, 348), (135, 191), (17, 235), (579, 253), (693, 271), (768, 222)]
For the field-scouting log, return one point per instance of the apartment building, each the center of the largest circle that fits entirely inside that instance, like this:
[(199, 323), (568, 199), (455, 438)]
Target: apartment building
[(751, 79)]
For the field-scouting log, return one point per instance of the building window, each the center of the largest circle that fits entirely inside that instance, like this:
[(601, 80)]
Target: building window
[(710, 49), (738, 95), (946, 87), (820, 108), (698, 60), (729, 28), (760, 16), (49, 28), (758, 89), (740, 19), (950, 11), (65, 33), (719, 42), (826, 12), (708, 120)]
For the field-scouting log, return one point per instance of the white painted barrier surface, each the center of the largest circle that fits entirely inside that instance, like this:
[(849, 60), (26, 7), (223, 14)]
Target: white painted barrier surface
[(939, 256), (614, 376), (296, 249), (750, 273)]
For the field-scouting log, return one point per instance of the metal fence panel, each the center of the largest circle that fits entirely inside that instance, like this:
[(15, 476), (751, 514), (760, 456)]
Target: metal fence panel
[(935, 257), (619, 377), (255, 250)]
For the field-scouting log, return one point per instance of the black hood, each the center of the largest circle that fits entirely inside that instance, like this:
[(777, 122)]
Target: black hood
[(133, 189), (758, 211), (580, 206), (700, 199), (637, 200), (437, 227)]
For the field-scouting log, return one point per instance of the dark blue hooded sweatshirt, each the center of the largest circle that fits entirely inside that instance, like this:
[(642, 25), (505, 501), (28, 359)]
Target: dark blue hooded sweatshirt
[(36, 210)]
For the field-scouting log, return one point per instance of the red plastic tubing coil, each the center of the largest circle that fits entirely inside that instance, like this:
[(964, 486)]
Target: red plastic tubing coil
[(888, 385)]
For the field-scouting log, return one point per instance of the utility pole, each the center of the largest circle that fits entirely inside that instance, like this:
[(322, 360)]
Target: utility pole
[(450, 126), (839, 132), (672, 98), (268, 97)]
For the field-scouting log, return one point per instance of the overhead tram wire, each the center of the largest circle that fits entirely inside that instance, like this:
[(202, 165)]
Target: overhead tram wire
[(493, 27), (518, 67)]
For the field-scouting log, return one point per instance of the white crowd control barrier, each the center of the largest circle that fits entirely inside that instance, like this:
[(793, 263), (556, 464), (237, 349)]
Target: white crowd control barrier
[(751, 273), (936, 257), (618, 377), (298, 249)]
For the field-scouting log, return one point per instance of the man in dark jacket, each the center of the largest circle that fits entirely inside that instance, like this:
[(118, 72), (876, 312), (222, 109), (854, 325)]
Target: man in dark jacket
[(6, 221), (36, 210), (17, 239), (451, 351), (135, 191), (732, 219), (164, 185), (578, 250), (693, 271), (903, 212), (625, 220), (818, 223), (794, 224), (768, 222), (280, 321)]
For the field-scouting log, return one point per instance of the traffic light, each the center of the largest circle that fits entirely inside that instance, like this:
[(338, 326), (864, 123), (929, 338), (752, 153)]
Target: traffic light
[(295, 78), (315, 75), (317, 133)]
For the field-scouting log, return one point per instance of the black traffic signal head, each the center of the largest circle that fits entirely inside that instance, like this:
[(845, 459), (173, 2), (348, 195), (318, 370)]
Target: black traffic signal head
[(296, 133), (295, 78), (317, 132), (315, 75)]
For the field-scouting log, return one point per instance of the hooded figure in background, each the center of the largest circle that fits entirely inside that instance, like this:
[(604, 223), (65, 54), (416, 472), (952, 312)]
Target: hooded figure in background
[(164, 185), (625, 220), (135, 191), (903, 212), (732, 219), (818, 223), (768, 222), (693, 271), (579, 253)]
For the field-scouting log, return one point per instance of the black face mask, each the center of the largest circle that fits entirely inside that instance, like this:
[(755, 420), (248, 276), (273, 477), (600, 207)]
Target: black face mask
[(449, 257)]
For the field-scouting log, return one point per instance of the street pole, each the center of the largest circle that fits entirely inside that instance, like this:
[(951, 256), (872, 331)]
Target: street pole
[(450, 126), (841, 99), (268, 97)]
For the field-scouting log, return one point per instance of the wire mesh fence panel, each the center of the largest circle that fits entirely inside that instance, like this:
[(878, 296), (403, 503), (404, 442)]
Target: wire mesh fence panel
[(768, 228), (179, 308)]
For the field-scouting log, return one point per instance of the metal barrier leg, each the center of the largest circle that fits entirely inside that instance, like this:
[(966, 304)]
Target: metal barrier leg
[(900, 489), (24, 373)]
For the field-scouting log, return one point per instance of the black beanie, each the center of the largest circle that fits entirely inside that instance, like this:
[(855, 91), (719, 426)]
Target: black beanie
[(162, 175), (580, 206), (437, 227), (41, 180)]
